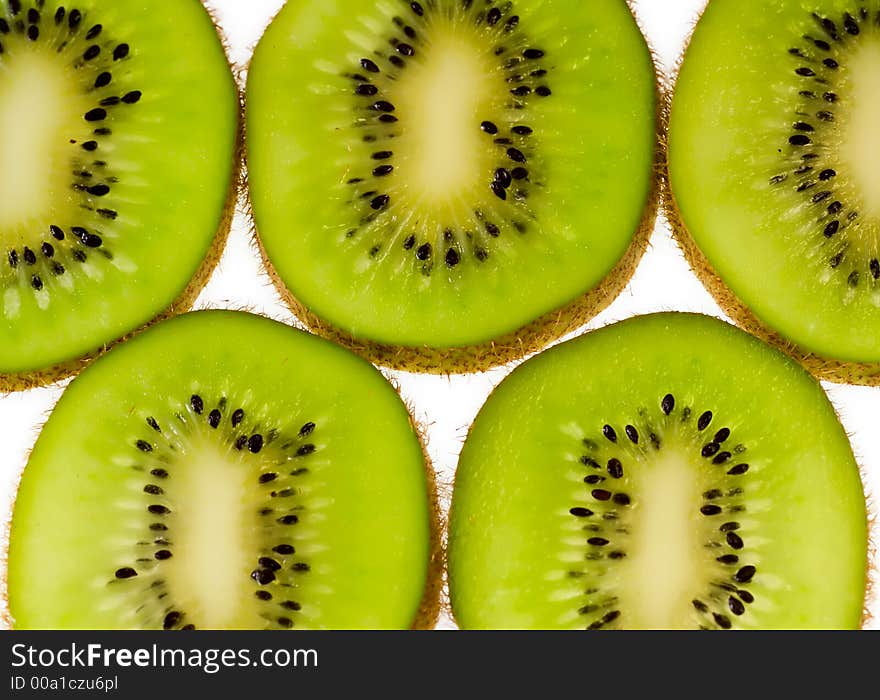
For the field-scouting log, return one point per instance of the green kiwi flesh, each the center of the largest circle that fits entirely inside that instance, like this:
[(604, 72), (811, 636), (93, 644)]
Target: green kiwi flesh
[(773, 153), (670, 471), (222, 470), (118, 160), (447, 185)]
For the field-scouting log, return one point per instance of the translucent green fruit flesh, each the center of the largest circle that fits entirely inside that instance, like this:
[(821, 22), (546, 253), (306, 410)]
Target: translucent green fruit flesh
[(223, 471), (670, 471), (118, 125), (444, 173), (773, 159)]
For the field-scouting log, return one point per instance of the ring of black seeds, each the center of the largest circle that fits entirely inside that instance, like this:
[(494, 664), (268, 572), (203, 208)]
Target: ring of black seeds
[(526, 73), (99, 56), (810, 168), (156, 546), (726, 595)]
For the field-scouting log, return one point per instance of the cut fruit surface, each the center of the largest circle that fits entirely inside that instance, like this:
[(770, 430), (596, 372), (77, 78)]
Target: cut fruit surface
[(224, 471), (448, 184), (773, 163), (667, 472), (118, 129)]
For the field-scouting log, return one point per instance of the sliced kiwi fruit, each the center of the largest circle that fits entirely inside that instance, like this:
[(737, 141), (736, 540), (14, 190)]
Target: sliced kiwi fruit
[(670, 471), (445, 185), (118, 162), (222, 470), (773, 165)]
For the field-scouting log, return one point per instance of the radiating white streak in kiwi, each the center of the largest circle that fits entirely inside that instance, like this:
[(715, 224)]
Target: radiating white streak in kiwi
[(38, 106), (860, 149), (666, 564), (215, 536), (441, 154)]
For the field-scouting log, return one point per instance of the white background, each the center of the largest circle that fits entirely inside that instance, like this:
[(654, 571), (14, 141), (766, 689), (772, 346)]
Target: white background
[(447, 405)]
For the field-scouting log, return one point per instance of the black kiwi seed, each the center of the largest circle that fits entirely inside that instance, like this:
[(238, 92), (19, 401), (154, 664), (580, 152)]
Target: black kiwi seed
[(581, 512), (721, 457), (722, 435), (214, 418), (615, 468), (632, 434), (237, 417), (498, 190), (198, 405), (263, 576), (745, 574), (255, 443), (667, 404), (609, 433), (722, 621), (503, 177), (710, 449), (704, 420), (125, 573)]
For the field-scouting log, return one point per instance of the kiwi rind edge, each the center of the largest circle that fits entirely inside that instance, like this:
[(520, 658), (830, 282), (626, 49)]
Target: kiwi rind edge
[(21, 381), (530, 338), (824, 368)]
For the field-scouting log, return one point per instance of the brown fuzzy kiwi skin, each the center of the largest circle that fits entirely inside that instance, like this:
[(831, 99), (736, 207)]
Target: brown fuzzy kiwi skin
[(824, 368), (528, 339), (430, 605), (184, 302)]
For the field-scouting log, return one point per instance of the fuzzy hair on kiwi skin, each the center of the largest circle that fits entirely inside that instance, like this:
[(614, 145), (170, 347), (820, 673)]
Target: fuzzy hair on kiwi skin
[(527, 340), (22, 381), (433, 597), (825, 368)]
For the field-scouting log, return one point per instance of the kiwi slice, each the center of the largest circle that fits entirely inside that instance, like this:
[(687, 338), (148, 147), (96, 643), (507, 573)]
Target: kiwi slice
[(445, 185), (225, 471), (118, 140), (773, 163), (670, 471)]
